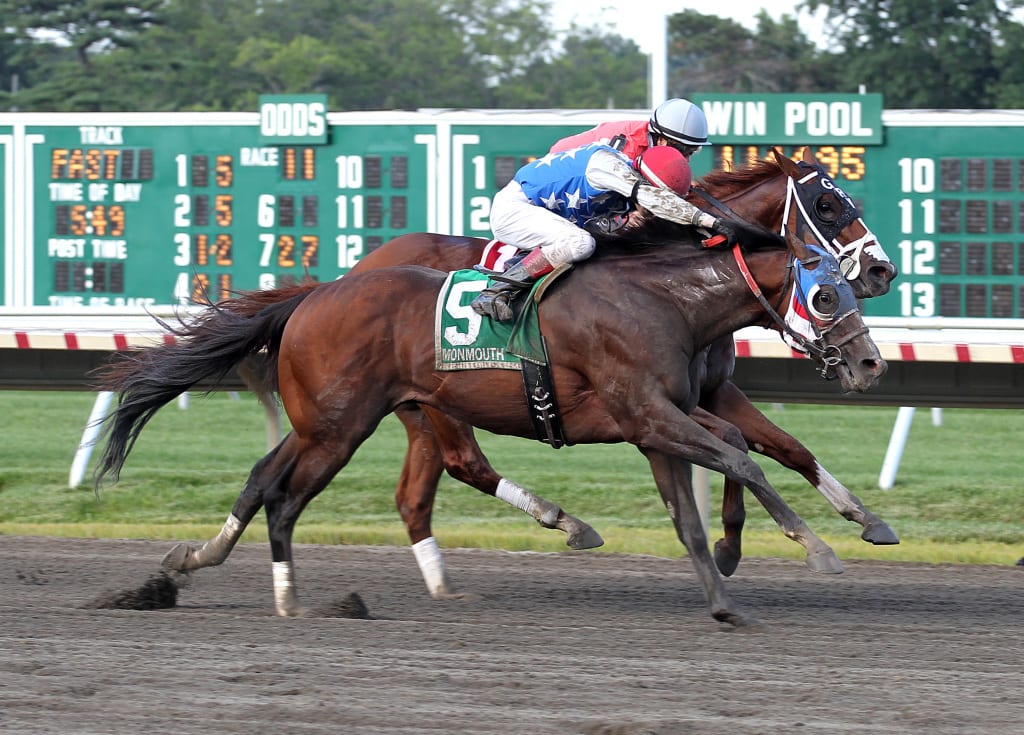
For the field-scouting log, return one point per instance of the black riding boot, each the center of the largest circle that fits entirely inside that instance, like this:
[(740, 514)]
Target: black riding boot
[(496, 301)]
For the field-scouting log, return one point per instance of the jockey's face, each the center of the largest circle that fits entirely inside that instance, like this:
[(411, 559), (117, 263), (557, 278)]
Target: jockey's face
[(686, 150)]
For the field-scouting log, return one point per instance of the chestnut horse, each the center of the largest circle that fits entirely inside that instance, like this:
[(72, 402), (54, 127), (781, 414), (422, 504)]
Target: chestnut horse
[(768, 193), (352, 351)]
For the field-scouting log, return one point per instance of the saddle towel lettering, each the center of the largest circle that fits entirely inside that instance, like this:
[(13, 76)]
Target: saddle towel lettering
[(464, 340)]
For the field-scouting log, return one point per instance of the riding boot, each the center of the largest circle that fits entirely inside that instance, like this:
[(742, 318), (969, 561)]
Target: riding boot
[(496, 301)]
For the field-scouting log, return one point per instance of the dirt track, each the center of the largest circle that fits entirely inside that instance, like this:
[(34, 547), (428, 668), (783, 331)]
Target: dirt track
[(558, 643)]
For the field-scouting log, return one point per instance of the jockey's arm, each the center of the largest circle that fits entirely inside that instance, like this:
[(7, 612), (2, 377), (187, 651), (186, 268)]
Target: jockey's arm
[(609, 171)]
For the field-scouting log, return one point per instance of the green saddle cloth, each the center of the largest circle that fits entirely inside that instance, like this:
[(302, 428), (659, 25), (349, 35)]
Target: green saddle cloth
[(465, 340)]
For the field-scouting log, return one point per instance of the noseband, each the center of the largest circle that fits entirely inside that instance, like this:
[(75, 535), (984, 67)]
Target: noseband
[(828, 356)]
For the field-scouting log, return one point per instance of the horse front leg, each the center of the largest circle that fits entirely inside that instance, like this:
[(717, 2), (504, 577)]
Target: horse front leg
[(672, 477), (673, 432), (730, 403), (414, 497), (729, 548)]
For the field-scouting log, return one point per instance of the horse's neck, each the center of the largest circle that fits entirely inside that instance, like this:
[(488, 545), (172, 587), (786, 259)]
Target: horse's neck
[(763, 203), (726, 301)]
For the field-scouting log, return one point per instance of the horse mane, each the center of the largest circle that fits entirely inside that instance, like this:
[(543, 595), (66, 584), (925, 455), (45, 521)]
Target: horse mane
[(724, 183)]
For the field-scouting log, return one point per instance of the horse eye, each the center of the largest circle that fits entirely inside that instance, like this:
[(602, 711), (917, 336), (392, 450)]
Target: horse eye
[(824, 209), (825, 301)]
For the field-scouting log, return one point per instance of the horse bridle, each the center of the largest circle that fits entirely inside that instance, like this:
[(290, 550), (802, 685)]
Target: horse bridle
[(827, 356), (804, 199)]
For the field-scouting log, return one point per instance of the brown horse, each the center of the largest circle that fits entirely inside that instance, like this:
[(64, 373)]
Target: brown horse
[(623, 331), (766, 193)]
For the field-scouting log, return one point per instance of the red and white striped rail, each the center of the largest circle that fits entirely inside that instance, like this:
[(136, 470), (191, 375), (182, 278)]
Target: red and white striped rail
[(922, 339)]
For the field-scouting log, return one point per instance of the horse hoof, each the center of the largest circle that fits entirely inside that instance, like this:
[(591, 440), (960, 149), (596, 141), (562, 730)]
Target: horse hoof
[(725, 559), (176, 558), (880, 534), (825, 562), (588, 538), (461, 596), (738, 620)]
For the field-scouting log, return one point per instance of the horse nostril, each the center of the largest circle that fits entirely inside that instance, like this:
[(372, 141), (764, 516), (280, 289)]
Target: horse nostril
[(875, 367), (884, 272)]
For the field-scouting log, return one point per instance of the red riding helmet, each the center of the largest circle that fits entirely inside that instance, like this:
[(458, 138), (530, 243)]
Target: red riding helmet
[(666, 167)]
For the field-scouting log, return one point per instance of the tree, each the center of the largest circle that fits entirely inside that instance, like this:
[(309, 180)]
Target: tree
[(593, 70), (70, 36), (922, 53), (708, 54)]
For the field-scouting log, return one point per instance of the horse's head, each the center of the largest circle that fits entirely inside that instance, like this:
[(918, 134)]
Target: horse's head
[(823, 319), (816, 207)]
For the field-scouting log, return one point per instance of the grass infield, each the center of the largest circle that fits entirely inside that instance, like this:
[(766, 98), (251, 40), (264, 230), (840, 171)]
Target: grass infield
[(957, 497)]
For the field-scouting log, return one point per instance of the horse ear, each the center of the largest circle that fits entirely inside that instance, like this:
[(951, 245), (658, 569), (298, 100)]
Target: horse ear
[(786, 164), (797, 246), (809, 157)]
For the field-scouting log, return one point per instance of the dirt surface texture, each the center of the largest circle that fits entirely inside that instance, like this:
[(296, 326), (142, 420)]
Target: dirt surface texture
[(578, 642)]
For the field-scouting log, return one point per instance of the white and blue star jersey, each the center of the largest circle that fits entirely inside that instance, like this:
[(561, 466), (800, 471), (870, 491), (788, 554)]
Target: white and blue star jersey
[(558, 181)]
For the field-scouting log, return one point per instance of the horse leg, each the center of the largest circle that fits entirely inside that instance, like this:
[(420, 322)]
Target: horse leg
[(438, 442), (728, 549), (414, 497), (730, 403), (187, 557), (289, 479), (673, 432), (465, 461), (672, 477)]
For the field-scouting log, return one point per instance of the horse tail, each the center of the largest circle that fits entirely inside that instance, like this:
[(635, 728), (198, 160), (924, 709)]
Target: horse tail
[(204, 350)]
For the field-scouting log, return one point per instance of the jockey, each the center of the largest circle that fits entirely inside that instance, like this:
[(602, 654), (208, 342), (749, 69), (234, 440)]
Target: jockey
[(676, 122), (551, 203)]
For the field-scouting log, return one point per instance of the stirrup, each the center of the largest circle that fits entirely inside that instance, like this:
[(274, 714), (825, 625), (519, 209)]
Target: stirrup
[(495, 304)]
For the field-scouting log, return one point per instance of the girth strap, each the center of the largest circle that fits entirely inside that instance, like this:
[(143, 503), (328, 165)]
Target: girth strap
[(541, 403)]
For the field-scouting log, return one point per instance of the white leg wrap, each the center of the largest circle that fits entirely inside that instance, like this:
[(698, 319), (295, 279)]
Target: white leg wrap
[(834, 491), (516, 496), (431, 564), (284, 581)]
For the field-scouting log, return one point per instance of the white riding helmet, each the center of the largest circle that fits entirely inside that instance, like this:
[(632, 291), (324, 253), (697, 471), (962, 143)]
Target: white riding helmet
[(680, 121)]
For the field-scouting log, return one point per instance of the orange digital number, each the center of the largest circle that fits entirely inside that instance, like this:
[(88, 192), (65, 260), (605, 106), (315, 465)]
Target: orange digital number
[(99, 220), (78, 219), (201, 246), (225, 174), (201, 288), (116, 216), (222, 248), (310, 251), (309, 164), (224, 285), (852, 162), (286, 251), (222, 207)]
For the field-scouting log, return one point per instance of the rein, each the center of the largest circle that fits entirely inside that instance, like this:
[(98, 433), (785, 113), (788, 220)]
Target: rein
[(827, 356)]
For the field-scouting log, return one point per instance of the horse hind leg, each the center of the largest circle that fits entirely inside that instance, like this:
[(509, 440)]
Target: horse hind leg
[(296, 474), (465, 461), (189, 557)]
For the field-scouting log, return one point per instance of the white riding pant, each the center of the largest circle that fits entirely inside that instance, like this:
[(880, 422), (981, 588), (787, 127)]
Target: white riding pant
[(518, 221)]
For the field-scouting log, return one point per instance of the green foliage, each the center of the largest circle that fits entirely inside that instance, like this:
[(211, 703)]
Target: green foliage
[(956, 499), (93, 55), (923, 53)]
